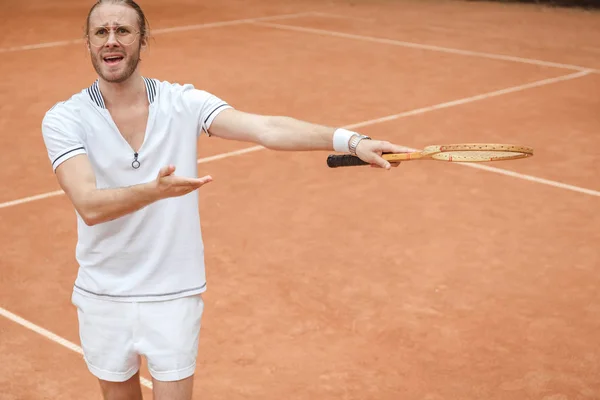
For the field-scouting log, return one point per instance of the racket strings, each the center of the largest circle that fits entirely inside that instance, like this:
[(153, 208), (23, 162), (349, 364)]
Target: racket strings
[(485, 147), (479, 155)]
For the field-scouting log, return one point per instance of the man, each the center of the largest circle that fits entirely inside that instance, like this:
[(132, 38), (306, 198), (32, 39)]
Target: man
[(124, 151)]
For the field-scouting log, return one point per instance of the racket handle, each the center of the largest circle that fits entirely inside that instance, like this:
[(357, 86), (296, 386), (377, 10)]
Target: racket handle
[(344, 160)]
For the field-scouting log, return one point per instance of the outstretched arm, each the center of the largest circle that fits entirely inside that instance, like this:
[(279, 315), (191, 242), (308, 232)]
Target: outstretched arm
[(286, 133)]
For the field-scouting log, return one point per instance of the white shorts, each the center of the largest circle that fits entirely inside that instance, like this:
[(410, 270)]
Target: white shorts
[(114, 335)]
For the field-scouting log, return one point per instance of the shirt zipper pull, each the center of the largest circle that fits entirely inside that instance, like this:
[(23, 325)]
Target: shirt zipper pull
[(135, 164)]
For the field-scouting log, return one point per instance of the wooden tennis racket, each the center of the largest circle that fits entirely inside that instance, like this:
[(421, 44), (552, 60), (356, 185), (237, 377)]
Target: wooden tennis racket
[(466, 152)]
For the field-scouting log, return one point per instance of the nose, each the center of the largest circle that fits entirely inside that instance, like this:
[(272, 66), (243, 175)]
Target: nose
[(112, 39)]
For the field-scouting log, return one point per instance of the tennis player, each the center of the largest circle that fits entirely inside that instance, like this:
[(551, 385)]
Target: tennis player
[(124, 151)]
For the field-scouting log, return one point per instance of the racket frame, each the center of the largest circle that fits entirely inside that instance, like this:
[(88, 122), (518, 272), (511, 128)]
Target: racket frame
[(444, 152)]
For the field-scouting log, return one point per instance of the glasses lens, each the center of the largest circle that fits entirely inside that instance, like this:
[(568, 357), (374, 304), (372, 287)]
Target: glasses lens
[(124, 34), (99, 36)]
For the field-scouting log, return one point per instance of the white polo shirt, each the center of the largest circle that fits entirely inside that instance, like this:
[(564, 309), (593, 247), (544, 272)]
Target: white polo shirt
[(155, 253)]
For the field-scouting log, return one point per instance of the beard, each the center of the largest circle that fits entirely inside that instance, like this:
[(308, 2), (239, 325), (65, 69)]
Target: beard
[(131, 62)]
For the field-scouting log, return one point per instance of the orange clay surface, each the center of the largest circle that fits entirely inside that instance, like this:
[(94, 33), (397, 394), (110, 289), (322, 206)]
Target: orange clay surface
[(432, 281)]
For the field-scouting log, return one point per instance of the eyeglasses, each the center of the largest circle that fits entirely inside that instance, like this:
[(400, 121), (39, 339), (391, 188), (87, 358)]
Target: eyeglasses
[(124, 34)]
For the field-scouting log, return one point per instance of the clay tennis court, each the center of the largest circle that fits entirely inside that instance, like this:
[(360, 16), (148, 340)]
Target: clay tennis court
[(431, 281)]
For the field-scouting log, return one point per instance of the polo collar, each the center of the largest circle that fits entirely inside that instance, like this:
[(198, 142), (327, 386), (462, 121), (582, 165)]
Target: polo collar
[(96, 96)]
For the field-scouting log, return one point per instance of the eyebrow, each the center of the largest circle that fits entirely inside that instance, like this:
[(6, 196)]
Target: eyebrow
[(112, 24)]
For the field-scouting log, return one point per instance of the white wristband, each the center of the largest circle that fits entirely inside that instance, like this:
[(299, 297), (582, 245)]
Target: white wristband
[(341, 137)]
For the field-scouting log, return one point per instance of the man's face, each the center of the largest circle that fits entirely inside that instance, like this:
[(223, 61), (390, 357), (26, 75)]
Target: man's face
[(114, 41)]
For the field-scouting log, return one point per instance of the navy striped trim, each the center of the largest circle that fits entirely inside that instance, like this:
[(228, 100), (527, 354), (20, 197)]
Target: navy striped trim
[(65, 153), (95, 95), (142, 295), (213, 111), (150, 89)]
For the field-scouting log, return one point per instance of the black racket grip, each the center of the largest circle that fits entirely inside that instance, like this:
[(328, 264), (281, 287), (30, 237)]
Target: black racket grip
[(344, 160)]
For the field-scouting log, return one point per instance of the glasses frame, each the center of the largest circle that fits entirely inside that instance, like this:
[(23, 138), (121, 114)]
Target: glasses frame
[(112, 30)]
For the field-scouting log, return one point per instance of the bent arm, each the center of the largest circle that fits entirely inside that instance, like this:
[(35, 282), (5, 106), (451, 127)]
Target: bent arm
[(76, 178)]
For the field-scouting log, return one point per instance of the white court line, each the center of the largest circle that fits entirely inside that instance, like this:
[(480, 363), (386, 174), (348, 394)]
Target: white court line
[(535, 179), (526, 177), (471, 99), (31, 198), (60, 192), (161, 30), (426, 46), (228, 23), (257, 21), (53, 337), (393, 117), (486, 96), (339, 16), (230, 154), (40, 45)]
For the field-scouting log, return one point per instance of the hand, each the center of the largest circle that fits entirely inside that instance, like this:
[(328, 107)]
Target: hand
[(371, 150), (169, 185)]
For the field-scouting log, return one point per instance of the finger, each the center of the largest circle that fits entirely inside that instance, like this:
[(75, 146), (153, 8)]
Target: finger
[(380, 161), (378, 166), (205, 179), (197, 182), (393, 165), (388, 147), (166, 171)]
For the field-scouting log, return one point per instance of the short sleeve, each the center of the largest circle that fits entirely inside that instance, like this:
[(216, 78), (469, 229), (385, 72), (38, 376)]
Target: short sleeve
[(62, 136), (204, 105)]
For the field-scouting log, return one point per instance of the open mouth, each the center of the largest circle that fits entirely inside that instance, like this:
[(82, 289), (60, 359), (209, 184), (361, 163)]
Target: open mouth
[(113, 60)]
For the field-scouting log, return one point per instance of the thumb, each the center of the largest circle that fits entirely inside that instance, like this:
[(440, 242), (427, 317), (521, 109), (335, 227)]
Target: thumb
[(166, 171), (381, 162)]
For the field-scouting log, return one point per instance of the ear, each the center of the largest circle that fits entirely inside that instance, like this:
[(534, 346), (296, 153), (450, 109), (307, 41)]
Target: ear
[(144, 42)]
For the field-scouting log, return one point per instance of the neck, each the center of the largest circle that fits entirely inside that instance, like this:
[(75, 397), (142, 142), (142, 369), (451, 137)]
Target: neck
[(126, 93)]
